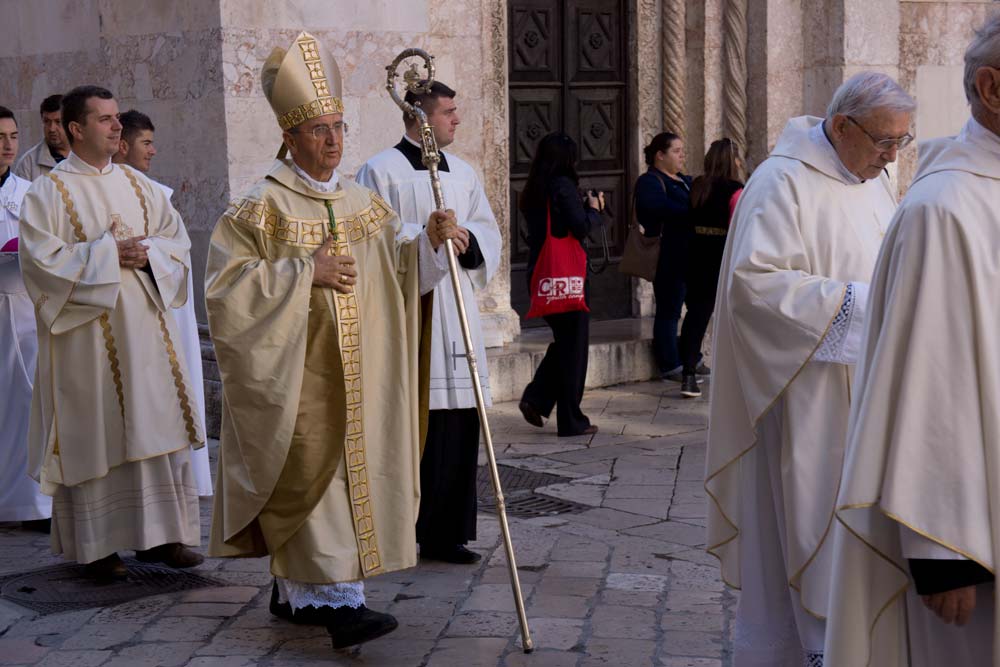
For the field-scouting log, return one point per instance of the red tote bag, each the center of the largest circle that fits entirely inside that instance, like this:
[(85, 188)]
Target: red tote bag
[(559, 275)]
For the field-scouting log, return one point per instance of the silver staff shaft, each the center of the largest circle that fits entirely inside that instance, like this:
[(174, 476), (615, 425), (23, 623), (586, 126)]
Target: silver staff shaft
[(431, 158)]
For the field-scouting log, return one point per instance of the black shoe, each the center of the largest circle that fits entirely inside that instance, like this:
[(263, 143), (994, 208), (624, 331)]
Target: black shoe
[(37, 525), (109, 568), (456, 553), (689, 387), (350, 627), (703, 370), (172, 554), (308, 615), (530, 414), (672, 376)]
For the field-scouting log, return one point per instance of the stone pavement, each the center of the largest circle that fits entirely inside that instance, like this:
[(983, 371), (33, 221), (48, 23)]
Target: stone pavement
[(624, 583)]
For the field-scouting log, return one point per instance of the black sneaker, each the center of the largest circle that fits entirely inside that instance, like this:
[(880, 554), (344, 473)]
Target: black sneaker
[(703, 369), (350, 627), (689, 387), (671, 376)]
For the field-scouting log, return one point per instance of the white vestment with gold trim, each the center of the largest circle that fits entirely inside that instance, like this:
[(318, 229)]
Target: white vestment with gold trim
[(922, 471), (805, 230), (111, 416)]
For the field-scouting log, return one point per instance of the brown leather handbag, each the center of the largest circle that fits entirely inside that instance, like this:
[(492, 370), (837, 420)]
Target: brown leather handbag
[(641, 253)]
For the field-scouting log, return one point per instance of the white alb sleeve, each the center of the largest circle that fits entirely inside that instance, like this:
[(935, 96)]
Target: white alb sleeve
[(842, 343)]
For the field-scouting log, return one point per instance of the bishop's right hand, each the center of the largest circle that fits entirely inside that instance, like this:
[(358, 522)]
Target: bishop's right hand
[(336, 271)]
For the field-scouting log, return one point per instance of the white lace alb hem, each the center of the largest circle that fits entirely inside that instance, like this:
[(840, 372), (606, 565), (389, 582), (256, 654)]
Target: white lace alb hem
[(300, 594)]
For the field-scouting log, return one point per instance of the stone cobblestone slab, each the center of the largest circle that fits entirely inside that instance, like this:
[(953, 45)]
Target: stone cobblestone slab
[(625, 583)]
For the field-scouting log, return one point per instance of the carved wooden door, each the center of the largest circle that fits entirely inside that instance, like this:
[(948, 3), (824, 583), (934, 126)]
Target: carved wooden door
[(568, 72)]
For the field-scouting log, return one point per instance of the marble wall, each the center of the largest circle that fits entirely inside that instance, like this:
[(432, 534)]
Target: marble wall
[(163, 59)]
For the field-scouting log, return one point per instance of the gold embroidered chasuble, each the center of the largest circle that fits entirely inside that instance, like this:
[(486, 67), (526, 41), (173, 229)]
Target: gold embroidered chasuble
[(110, 388), (322, 392)]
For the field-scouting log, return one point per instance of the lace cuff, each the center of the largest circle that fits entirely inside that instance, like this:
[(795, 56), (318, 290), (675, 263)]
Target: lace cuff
[(842, 343), (300, 594)]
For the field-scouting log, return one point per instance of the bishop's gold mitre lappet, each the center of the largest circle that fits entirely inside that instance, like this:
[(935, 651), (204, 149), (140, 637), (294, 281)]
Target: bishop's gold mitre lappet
[(302, 82)]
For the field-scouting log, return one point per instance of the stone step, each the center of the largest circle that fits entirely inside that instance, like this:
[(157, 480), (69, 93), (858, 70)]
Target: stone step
[(620, 351)]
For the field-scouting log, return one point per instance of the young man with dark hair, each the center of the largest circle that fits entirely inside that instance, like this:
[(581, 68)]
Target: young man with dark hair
[(20, 498), (447, 518), (136, 149), (104, 257), (52, 149)]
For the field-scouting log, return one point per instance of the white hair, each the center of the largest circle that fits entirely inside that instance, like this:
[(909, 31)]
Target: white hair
[(865, 92), (983, 52)]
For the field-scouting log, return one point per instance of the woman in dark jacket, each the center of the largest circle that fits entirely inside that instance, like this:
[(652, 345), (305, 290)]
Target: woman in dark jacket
[(662, 205), (713, 198), (558, 382)]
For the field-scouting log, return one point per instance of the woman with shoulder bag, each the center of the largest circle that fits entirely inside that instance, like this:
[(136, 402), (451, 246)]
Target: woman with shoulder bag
[(713, 199), (662, 206), (553, 207)]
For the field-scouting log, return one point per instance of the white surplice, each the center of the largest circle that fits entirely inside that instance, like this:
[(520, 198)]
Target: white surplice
[(922, 470), (111, 419), (20, 497), (804, 231), (409, 193), (187, 327)]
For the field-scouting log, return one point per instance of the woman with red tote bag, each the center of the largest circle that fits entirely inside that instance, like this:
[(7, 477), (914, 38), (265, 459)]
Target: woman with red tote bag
[(558, 221)]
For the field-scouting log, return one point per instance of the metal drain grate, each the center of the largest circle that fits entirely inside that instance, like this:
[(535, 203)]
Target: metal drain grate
[(519, 493), (66, 587)]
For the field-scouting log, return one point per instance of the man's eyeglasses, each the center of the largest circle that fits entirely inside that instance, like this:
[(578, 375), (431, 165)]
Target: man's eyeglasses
[(884, 145), (323, 131)]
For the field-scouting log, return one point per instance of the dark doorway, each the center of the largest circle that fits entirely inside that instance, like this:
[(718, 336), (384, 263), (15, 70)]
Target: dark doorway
[(568, 71)]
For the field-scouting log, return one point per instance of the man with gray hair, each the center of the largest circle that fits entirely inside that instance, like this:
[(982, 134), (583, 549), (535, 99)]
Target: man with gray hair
[(917, 533), (792, 295)]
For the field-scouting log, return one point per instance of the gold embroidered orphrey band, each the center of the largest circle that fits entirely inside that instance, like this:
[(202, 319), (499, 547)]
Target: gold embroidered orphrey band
[(349, 327), (324, 103)]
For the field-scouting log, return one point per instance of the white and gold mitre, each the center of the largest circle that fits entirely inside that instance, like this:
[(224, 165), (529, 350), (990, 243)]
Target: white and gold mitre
[(301, 83)]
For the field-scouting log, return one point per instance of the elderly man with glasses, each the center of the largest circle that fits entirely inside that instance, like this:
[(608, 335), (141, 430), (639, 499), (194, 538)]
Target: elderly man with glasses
[(314, 301), (792, 298)]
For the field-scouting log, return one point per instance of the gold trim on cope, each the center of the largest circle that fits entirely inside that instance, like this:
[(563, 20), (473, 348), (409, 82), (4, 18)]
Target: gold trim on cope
[(175, 370), (349, 326), (309, 233)]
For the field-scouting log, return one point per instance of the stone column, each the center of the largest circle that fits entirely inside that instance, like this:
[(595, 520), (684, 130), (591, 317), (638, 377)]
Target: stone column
[(501, 323), (674, 66)]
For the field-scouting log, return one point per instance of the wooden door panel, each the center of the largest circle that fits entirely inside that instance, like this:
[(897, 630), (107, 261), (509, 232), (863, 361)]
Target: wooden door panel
[(595, 122), (535, 43), (594, 39), (534, 113)]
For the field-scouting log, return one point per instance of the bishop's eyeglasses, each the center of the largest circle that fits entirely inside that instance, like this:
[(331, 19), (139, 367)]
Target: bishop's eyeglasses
[(888, 143), (321, 132)]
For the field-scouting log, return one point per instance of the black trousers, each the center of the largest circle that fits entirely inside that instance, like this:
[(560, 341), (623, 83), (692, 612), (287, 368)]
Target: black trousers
[(448, 478), (560, 378), (700, 301)]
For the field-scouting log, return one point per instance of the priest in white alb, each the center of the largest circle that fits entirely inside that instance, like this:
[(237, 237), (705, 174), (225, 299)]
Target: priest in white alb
[(315, 300), (917, 538), (104, 257), (20, 497), (792, 296), (137, 150), (447, 520)]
